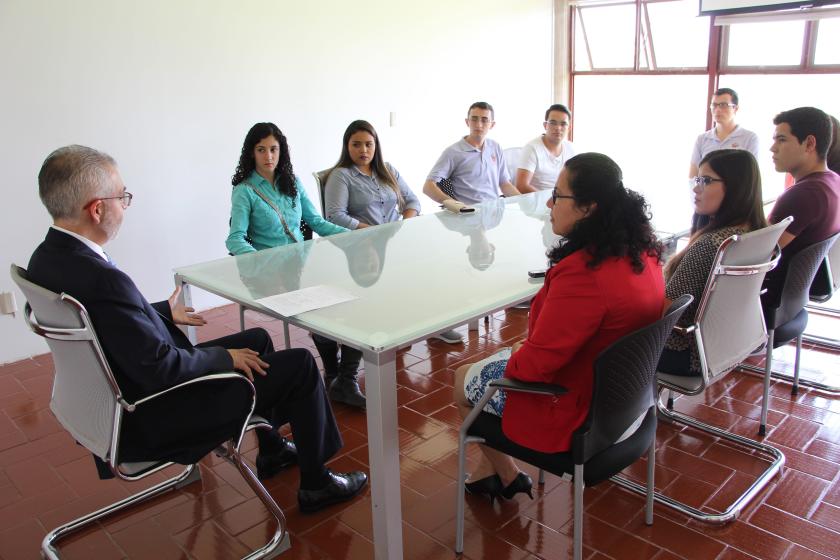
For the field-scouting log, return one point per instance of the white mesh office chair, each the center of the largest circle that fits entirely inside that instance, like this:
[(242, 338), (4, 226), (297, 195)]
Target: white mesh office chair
[(88, 402), (512, 156), (321, 182), (728, 327)]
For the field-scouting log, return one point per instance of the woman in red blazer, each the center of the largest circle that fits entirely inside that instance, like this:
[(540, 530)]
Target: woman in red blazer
[(605, 282)]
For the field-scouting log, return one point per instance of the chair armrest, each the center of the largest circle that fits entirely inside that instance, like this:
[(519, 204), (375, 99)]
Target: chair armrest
[(508, 385), (524, 387), (685, 330), (204, 378)]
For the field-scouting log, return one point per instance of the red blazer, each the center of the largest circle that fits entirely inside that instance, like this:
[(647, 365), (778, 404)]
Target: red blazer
[(577, 313)]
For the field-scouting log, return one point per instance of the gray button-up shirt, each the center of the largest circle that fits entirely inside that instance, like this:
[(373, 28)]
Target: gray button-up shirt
[(352, 197), (476, 175)]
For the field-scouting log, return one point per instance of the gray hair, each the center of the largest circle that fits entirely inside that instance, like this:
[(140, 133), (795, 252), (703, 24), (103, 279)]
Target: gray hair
[(71, 177)]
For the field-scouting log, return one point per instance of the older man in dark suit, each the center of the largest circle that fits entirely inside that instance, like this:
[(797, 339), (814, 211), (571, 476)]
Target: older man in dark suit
[(85, 195)]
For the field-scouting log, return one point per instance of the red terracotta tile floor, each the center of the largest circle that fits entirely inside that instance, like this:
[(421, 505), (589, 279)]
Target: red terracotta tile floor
[(46, 479)]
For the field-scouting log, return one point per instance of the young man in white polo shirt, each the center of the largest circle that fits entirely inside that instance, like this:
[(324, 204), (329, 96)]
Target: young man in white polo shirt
[(725, 133), (543, 157)]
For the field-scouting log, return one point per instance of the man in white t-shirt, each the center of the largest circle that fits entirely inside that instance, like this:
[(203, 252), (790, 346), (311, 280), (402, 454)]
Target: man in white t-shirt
[(725, 133), (543, 157)]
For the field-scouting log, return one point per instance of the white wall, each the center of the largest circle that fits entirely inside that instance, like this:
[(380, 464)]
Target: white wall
[(169, 89)]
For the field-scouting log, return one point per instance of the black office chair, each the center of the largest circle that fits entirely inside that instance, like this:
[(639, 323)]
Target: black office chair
[(827, 280), (445, 185), (88, 402), (620, 426), (788, 319), (825, 285)]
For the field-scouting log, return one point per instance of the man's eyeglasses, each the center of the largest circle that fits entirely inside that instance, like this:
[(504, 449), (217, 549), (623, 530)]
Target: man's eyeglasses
[(714, 106), (557, 124), (124, 198), (555, 196), (702, 181), (482, 120)]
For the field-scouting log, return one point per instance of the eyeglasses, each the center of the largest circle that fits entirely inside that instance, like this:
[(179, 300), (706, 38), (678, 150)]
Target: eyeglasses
[(555, 196), (482, 120), (125, 198), (557, 124), (702, 181), (714, 106)]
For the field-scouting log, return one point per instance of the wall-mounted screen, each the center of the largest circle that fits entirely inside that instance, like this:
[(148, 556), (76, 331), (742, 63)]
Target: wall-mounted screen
[(721, 7)]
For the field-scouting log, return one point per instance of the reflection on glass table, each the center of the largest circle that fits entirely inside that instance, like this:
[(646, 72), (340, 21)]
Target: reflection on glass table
[(427, 284)]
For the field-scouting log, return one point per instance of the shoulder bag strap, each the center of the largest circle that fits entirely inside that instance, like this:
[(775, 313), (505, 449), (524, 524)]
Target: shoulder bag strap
[(277, 210)]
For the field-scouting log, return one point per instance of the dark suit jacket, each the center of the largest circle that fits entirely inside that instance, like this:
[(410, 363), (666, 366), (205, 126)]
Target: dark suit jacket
[(147, 354)]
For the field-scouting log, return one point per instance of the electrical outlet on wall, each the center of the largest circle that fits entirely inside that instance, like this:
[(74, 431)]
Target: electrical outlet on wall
[(8, 305)]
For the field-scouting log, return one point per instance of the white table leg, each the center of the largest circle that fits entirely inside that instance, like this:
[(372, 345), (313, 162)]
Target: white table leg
[(186, 299), (383, 449), (286, 335)]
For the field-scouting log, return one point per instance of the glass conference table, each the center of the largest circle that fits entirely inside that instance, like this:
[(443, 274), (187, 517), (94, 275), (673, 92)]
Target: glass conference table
[(413, 279)]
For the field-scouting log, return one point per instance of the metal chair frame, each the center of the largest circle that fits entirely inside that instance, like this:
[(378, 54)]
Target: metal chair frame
[(794, 379), (671, 383), (578, 452), (131, 471)]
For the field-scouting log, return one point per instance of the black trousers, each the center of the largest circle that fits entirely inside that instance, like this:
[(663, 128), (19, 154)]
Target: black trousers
[(346, 366), (676, 362), (184, 425), (292, 392)]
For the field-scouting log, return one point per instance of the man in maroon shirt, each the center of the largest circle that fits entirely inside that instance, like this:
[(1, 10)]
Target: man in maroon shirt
[(800, 144)]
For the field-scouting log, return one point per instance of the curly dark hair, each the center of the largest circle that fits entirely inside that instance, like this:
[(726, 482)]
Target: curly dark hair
[(284, 176), (618, 224)]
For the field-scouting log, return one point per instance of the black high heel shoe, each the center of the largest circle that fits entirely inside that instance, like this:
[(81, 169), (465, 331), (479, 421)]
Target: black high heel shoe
[(490, 485), (522, 483)]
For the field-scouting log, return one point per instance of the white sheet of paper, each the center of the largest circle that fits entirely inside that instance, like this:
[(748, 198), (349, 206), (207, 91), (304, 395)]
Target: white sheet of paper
[(306, 299)]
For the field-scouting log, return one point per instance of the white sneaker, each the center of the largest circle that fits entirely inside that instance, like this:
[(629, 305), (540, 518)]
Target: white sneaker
[(450, 337)]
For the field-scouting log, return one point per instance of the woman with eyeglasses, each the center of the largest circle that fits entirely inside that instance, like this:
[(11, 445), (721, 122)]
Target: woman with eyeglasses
[(605, 282), (361, 191), (727, 202), (268, 200)]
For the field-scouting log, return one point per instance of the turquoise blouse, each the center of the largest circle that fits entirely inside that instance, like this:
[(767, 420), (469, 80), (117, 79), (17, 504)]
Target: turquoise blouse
[(250, 215)]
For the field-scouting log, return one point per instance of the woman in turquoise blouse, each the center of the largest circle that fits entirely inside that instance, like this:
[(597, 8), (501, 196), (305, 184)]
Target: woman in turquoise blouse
[(268, 201)]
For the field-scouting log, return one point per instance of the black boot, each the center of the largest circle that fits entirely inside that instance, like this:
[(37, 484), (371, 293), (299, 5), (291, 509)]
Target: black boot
[(345, 388), (328, 349)]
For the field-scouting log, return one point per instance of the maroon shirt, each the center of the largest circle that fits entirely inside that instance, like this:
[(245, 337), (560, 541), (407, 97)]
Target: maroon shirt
[(814, 203)]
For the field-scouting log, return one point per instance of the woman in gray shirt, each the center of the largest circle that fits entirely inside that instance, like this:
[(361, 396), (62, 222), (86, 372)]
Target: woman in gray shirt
[(361, 191)]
